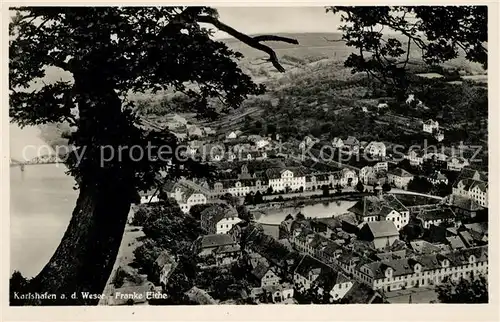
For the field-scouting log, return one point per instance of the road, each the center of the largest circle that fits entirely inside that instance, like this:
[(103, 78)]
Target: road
[(406, 192)]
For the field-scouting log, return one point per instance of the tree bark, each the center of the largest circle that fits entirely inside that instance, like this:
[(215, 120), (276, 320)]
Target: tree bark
[(85, 257)]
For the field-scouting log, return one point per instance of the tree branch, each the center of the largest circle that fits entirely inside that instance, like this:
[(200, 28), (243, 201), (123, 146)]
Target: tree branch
[(250, 41), (276, 38)]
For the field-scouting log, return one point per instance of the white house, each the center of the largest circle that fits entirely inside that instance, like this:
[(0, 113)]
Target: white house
[(233, 134), (430, 126), (456, 163), (149, 197), (376, 149), (219, 219), (473, 185), (439, 136), (423, 270), (279, 179), (187, 194), (337, 143), (399, 178), (416, 157), (260, 144), (382, 106)]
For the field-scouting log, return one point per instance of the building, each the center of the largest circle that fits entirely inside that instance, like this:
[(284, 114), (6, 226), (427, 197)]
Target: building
[(456, 163), (463, 206), (437, 177), (187, 194), (472, 184), (206, 245), (376, 149), (381, 234), (165, 265), (219, 219), (399, 178), (233, 134), (351, 144), (424, 270), (382, 207), (439, 135), (265, 275), (151, 196), (416, 157), (199, 296), (280, 293), (281, 179), (337, 143), (430, 126), (435, 216)]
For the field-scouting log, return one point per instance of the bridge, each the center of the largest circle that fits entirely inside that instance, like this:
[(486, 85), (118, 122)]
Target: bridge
[(44, 159)]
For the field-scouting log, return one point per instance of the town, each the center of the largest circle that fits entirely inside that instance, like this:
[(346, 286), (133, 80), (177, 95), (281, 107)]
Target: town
[(346, 222)]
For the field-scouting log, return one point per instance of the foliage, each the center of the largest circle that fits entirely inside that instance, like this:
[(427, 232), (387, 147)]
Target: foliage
[(196, 210), (420, 184), (464, 291), (386, 187), (440, 32), (119, 278), (360, 187), (17, 284)]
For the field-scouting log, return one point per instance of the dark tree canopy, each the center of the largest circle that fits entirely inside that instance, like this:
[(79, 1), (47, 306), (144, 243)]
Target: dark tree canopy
[(439, 33)]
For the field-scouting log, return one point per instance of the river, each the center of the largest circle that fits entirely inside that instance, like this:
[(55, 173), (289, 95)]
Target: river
[(41, 201), (319, 210)]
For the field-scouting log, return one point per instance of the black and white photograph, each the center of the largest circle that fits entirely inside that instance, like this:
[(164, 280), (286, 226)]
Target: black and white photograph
[(277, 155)]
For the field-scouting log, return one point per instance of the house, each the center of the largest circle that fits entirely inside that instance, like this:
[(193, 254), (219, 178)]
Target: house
[(227, 254), (425, 270), (165, 265), (430, 126), (455, 163), (205, 245), (279, 293), (399, 178), (337, 143), (281, 179), (219, 219), (381, 234), (367, 175), (377, 149), (455, 242), (439, 135), (351, 144), (437, 177), (383, 207), (265, 275), (262, 143), (472, 184), (187, 194), (151, 196), (200, 296), (307, 142), (233, 134), (435, 216), (306, 272), (416, 157), (333, 282), (360, 293)]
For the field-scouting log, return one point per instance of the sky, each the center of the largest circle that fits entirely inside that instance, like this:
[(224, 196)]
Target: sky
[(258, 20)]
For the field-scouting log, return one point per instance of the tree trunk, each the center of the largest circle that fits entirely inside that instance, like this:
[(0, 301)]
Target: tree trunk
[(84, 259)]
